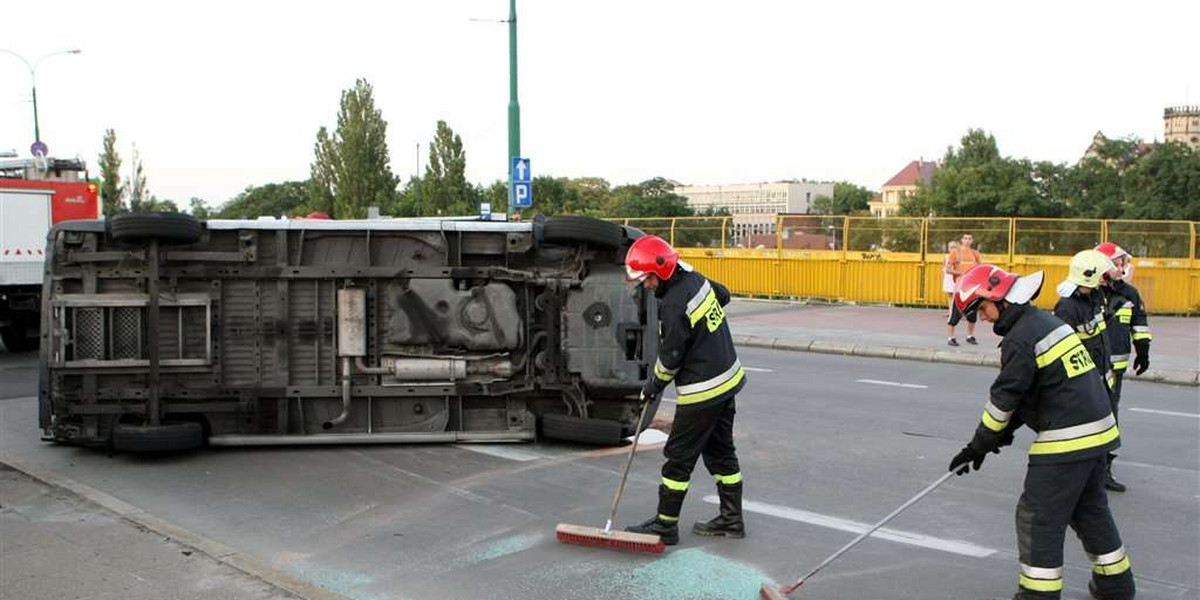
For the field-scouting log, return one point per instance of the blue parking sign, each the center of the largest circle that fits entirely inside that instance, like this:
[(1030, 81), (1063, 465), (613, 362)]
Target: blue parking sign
[(521, 176)]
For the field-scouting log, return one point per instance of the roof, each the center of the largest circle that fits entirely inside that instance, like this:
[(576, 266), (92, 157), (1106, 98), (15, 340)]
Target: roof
[(917, 171)]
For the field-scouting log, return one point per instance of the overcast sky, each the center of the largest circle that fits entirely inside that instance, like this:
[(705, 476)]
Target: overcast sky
[(221, 95)]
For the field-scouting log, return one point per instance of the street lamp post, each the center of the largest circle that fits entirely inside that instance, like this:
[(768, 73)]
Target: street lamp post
[(38, 147)]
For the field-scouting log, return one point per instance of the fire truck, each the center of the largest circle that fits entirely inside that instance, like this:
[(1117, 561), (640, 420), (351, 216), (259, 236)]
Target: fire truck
[(34, 195)]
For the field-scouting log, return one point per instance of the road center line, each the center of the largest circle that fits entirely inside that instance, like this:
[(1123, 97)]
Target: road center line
[(914, 386), (758, 370), (1169, 413), (501, 451), (840, 524)]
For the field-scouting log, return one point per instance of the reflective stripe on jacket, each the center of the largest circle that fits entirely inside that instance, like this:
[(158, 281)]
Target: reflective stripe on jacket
[(695, 347), (1085, 314), (1127, 322)]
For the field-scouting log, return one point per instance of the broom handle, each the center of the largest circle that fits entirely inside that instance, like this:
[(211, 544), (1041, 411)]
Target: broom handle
[(637, 431), (873, 529)]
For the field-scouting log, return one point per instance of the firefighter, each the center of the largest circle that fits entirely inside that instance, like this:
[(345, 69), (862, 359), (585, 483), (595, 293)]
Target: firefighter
[(1082, 307), (1049, 382), (696, 352), (1126, 320)]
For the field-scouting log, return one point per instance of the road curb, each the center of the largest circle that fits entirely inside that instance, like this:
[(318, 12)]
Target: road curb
[(1168, 376), (219, 552)]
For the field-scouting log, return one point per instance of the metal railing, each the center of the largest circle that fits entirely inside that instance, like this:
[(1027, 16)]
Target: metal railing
[(899, 260)]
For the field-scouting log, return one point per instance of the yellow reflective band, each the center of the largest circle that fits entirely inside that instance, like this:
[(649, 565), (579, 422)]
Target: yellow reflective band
[(729, 479), (703, 309), (1114, 569), (1141, 336), (1081, 443), (1095, 332), (1121, 365), (711, 393), (991, 423), (1041, 585), (667, 518), (1058, 350), (678, 486), (661, 373)]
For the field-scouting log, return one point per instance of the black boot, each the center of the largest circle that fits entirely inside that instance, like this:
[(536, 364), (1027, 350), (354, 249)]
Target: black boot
[(669, 532), (1110, 482), (729, 521)]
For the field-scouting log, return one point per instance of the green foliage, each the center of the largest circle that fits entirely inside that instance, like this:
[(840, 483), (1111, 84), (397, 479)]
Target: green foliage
[(847, 199), (139, 193), (445, 188), (351, 168), (112, 191), (651, 198), (1121, 179), (199, 209), (272, 200), (156, 204)]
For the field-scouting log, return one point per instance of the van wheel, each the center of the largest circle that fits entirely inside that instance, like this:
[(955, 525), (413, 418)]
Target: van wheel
[(574, 229), (167, 228), (168, 437), (601, 432)]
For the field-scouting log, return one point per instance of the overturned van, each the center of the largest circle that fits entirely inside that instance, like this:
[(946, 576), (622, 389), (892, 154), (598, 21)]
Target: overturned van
[(162, 333)]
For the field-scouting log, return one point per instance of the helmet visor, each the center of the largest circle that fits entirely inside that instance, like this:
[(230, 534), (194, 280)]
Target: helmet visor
[(633, 275)]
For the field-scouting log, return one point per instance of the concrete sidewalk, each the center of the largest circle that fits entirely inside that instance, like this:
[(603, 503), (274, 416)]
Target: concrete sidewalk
[(54, 544), (920, 334)]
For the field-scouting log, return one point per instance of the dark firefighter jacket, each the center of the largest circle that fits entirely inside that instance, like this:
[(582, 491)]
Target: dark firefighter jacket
[(1049, 382), (1126, 318), (1085, 314), (695, 348)]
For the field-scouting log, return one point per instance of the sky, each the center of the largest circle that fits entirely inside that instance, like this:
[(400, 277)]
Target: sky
[(219, 95)]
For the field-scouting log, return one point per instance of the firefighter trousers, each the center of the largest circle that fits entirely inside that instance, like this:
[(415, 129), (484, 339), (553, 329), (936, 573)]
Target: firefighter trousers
[(1062, 495), (700, 430)]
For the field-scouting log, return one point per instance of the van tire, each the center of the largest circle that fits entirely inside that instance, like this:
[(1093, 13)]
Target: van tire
[(167, 228), (600, 432), (574, 229), (168, 437)]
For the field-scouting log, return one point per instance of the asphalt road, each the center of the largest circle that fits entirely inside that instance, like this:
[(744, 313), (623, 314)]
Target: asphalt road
[(827, 444)]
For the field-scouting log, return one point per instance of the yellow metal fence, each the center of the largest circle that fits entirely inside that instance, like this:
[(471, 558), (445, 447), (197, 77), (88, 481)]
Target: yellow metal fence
[(899, 260)]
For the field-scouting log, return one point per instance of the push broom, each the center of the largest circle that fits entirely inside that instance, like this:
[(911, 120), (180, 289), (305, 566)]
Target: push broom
[(606, 537), (766, 592)]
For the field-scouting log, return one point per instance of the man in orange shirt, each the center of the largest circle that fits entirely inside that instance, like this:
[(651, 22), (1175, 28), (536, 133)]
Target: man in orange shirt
[(960, 261)]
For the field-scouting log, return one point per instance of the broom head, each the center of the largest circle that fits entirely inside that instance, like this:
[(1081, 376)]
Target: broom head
[(618, 540), (767, 592)]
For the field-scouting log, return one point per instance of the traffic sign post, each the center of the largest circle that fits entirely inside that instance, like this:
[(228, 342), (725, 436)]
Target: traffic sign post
[(520, 193)]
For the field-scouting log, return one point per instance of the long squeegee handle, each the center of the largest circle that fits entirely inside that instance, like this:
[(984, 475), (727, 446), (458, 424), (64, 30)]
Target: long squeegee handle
[(637, 433), (864, 535)]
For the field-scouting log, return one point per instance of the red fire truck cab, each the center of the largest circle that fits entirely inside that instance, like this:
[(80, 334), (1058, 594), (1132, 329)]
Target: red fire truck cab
[(34, 194)]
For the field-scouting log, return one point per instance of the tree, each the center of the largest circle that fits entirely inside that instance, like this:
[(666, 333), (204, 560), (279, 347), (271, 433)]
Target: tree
[(974, 180), (112, 191), (139, 194), (156, 204), (273, 199), (847, 199), (351, 168), (199, 209), (1164, 184), (445, 188), (651, 198)]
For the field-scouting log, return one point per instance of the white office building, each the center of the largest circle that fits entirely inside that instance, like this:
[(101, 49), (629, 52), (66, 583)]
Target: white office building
[(755, 205)]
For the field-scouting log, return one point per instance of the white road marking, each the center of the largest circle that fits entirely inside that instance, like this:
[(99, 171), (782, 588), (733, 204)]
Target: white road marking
[(1134, 463), (1169, 413), (650, 436), (758, 370), (915, 386), (501, 451), (840, 524)]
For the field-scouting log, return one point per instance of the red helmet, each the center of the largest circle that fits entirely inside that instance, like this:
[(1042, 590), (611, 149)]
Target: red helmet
[(1111, 250), (1115, 252), (989, 282), (650, 254)]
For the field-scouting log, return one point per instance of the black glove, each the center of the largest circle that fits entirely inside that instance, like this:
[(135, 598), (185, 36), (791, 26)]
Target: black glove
[(966, 458), (1142, 362), (1006, 436)]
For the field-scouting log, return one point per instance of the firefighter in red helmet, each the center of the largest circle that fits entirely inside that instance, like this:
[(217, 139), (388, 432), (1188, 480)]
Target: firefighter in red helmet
[(1049, 382), (1128, 329), (696, 352)]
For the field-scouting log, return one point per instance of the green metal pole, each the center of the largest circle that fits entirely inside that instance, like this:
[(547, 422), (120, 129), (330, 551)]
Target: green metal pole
[(514, 108)]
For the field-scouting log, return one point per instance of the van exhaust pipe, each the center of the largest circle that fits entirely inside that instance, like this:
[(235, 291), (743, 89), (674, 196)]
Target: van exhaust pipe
[(352, 342)]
